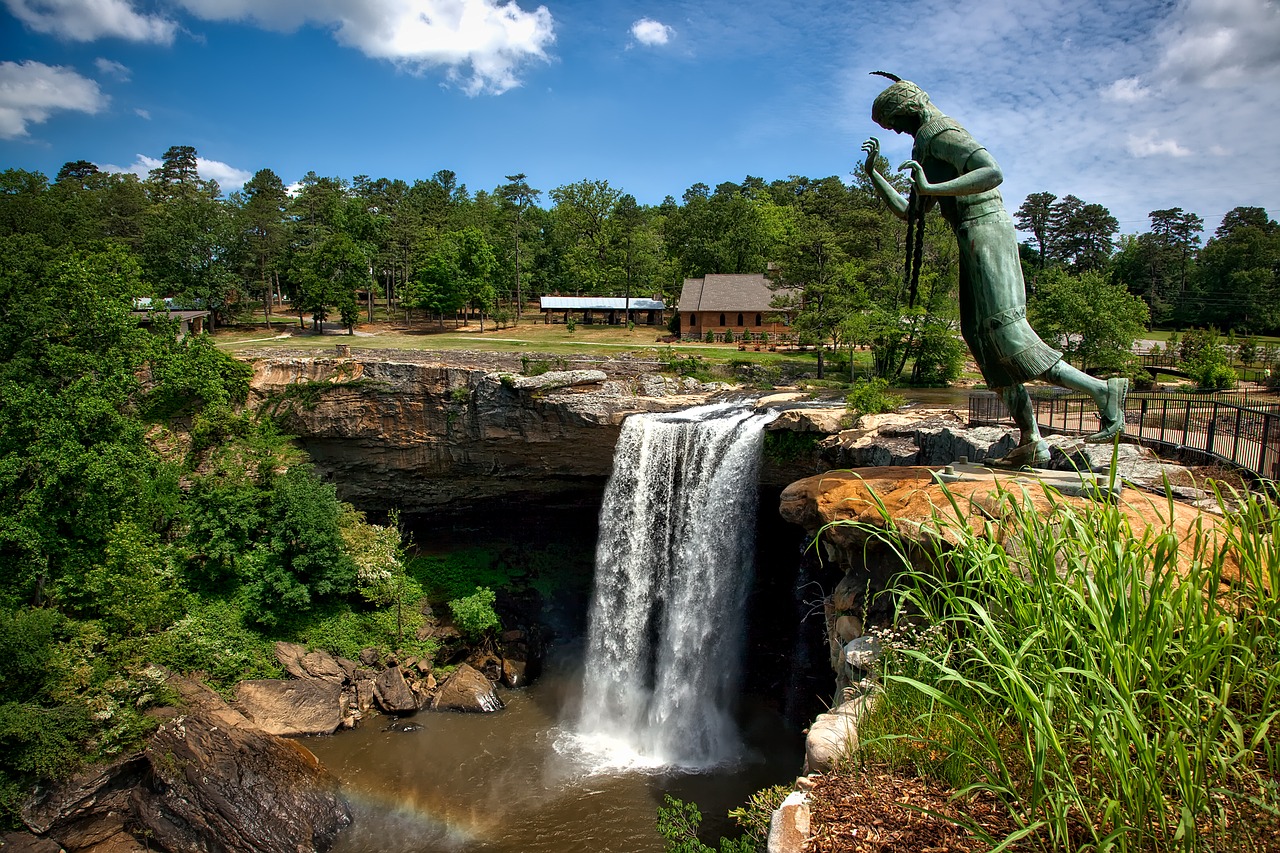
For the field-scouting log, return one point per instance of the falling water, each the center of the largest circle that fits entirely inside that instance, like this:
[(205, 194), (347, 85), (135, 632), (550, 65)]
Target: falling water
[(673, 565)]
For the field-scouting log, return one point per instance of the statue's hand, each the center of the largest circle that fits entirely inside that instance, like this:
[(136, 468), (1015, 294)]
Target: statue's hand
[(872, 147), (917, 176)]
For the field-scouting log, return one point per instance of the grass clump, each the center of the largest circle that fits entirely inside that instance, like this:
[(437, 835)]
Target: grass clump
[(1113, 689)]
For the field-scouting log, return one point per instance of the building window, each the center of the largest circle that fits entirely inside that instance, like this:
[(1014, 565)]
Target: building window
[(693, 319), (758, 319), (739, 319), (721, 319)]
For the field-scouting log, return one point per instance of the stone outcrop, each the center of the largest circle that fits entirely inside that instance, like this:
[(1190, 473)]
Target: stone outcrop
[(422, 434), (834, 736), (467, 690), (306, 706), (789, 825), (209, 780)]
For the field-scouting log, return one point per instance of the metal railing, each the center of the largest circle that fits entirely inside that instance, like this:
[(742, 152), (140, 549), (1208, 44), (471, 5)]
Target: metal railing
[(1238, 429), (1252, 372)]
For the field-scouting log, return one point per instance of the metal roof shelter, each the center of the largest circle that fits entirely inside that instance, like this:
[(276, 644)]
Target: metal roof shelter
[(599, 303), (614, 308)]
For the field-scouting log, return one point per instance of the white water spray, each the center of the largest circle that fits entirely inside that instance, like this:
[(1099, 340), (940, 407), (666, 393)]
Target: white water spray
[(673, 566)]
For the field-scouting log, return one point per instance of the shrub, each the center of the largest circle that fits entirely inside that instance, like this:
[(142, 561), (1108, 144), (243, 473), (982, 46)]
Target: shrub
[(710, 337), (474, 615), (872, 397), (728, 336), (570, 324)]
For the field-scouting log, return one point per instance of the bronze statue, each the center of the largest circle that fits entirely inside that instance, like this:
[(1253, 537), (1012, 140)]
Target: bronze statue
[(951, 169)]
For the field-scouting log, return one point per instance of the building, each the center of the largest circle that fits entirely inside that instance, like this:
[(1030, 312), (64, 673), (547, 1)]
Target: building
[(188, 322), (737, 303), (603, 309)]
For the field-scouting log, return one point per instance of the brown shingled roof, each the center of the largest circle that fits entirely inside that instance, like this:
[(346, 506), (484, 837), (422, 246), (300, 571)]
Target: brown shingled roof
[(747, 292)]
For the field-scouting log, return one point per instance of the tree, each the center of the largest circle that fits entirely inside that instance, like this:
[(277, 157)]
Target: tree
[(519, 195), (582, 211), (810, 278), (334, 271), (1095, 320), (306, 559), (261, 221), (1035, 216), (1236, 284)]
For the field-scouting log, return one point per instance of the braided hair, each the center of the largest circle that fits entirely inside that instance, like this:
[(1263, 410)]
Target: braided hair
[(915, 246)]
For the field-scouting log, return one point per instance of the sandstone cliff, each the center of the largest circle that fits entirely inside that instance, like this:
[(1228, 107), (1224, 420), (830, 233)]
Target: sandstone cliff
[(422, 434)]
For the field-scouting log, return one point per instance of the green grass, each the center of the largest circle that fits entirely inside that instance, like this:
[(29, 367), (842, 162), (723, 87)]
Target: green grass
[(1095, 680)]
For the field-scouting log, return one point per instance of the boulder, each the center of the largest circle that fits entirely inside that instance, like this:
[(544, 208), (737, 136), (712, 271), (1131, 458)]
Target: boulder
[(834, 736), (290, 656), (513, 673), (466, 690), (324, 666), (25, 842), (789, 826), (209, 780), (370, 657), (291, 708), (393, 694), (848, 627), (364, 693)]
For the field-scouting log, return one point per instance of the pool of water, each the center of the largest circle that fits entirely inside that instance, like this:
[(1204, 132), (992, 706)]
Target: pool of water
[(517, 780)]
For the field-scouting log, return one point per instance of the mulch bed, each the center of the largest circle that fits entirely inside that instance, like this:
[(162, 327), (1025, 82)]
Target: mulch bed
[(871, 809)]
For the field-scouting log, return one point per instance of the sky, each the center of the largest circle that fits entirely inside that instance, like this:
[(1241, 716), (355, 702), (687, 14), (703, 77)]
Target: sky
[(1138, 105)]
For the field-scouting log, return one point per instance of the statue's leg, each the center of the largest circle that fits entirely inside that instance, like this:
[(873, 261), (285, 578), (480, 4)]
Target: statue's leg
[(1032, 449), (1108, 395)]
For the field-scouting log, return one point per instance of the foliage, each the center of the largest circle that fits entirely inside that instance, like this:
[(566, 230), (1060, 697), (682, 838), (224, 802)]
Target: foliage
[(756, 814), (459, 571), (473, 615), (1206, 360), (64, 703), (786, 446), (872, 397), (304, 559), (1095, 320), (938, 355), (1103, 685), (214, 638), (678, 824)]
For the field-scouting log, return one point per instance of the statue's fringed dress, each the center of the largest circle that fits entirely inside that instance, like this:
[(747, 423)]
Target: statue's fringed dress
[(993, 298)]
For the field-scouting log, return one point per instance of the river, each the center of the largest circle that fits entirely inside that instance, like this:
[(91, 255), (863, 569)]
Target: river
[(511, 781)]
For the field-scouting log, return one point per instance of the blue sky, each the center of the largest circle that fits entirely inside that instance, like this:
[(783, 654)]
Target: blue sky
[(1134, 104)]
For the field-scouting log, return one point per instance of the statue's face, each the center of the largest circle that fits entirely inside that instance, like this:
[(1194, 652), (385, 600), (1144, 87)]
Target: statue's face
[(901, 123)]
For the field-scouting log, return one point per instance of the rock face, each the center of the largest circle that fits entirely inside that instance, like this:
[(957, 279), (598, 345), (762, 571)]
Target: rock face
[(789, 825), (209, 780), (468, 690), (292, 708), (419, 435)]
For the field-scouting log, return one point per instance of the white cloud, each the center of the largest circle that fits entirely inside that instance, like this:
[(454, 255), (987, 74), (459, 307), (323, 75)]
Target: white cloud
[(483, 44), (1147, 145), (88, 20), (1221, 43), (1126, 90), (141, 113), (229, 178), (651, 32), (112, 68), (31, 91)]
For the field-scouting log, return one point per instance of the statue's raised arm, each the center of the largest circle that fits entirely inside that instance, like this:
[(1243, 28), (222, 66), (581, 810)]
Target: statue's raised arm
[(950, 168)]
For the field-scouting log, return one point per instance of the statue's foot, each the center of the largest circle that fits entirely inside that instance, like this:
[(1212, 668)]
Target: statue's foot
[(1112, 413), (1033, 454)]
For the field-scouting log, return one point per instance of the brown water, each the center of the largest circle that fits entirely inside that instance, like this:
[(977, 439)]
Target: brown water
[(513, 782)]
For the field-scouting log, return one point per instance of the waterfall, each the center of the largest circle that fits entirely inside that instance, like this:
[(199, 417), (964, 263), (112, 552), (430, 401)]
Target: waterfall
[(673, 566)]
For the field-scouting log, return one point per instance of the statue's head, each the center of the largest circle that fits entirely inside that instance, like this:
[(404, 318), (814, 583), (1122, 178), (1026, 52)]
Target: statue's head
[(903, 103)]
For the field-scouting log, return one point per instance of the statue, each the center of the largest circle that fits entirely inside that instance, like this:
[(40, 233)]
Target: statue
[(951, 169)]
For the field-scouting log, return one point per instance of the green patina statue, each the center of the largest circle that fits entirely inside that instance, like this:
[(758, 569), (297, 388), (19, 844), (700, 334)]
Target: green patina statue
[(951, 169)]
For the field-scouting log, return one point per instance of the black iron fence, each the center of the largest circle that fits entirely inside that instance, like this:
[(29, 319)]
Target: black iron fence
[(1239, 429)]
